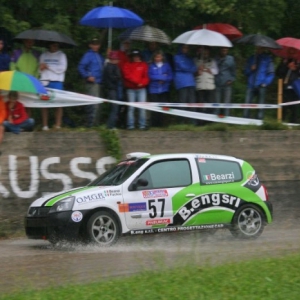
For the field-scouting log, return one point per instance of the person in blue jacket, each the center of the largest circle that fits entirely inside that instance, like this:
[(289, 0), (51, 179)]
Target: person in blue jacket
[(184, 76), (90, 68), (260, 72), (160, 75)]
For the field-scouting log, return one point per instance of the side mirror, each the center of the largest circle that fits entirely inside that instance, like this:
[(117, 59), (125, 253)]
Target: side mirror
[(142, 182), (139, 182)]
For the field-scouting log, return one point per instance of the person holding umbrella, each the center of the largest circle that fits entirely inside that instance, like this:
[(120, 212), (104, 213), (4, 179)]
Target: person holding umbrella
[(260, 73), (112, 79), (225, 78), (205, 76), (53, 67), (289, 71), (26, 59), (184, 80), (90, 68)]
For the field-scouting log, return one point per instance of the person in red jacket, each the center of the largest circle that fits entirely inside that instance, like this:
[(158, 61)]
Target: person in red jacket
[(17, 118), (135, 77), (2, 118)]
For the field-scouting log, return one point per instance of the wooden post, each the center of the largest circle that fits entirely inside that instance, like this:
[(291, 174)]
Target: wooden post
[(279, 100)]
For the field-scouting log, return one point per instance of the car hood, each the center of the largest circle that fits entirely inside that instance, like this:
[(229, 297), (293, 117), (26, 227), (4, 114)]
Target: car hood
[(50, 200)]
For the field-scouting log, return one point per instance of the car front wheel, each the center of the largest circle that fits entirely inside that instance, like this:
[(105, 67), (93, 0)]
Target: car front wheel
[(248, 222), (103, 228)]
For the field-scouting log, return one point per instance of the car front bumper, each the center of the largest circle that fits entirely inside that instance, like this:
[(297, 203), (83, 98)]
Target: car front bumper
[(55, 225)]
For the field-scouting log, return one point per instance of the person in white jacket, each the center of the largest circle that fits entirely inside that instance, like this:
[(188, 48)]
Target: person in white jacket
[(53, 66), (205, 77)]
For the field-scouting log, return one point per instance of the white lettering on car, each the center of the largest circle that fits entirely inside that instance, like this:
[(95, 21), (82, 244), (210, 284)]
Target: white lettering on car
[(90, 198), (206, 201)]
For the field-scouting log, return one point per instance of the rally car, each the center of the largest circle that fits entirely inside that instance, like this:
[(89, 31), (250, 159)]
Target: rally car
[(147, 194)]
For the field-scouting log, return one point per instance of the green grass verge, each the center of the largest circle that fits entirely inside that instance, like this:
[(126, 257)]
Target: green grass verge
[(274, 278)]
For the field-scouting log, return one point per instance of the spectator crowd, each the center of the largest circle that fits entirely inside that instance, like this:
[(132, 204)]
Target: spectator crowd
[(135, 75)]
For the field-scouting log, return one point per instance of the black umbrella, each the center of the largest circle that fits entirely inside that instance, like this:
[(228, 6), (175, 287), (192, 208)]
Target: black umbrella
[(145, 33), (43, 37), (258, 40)]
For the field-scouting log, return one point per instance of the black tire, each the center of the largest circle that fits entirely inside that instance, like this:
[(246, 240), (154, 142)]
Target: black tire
[(103, 229), (248, 222)]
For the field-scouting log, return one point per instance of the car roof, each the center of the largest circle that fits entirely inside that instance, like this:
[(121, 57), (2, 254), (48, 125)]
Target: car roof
[(192, 155)]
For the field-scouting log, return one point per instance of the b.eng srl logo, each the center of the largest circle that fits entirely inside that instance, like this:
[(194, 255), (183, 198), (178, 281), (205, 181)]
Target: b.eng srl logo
[(196, 205)]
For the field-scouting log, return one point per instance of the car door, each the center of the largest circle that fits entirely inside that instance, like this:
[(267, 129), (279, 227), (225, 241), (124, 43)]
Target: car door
[(151, 205), (220, 185)]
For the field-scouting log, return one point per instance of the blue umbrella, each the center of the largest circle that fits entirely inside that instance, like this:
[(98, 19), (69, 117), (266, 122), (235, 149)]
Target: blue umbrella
[(111, 17)]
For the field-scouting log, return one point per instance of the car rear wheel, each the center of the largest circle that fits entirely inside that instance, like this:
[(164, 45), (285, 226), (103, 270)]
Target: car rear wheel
[(103, 228), (248, 222)]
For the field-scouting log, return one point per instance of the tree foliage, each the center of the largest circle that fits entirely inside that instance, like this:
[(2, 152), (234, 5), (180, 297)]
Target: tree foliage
[(273, 18)]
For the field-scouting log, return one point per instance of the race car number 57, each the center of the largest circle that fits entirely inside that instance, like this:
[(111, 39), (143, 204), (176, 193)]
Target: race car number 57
[(156, 205)]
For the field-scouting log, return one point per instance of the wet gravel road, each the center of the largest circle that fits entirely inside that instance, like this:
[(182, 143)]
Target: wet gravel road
[(36, 264)]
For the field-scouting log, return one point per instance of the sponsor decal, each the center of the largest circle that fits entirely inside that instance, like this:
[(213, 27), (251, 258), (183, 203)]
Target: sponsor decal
[(112, 193), (219, 177), (199, 203), (90, 198), (130, 207), (177, 229), (155, 193), (253, 182), (76, 216), (158, 222)]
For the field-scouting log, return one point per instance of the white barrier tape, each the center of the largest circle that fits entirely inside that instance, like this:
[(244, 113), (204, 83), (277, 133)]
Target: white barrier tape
[(193, 115), (58, 98), (212, 105), (197, 115), (220, 105)]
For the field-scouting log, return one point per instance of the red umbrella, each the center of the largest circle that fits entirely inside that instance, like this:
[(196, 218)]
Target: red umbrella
[(290, 48), (228, 30)]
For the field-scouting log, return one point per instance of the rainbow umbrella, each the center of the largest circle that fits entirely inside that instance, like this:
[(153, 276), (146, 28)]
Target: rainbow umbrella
[(20, 82)]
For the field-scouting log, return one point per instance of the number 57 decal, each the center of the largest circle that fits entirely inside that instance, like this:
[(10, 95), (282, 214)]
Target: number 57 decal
[(156, 205)]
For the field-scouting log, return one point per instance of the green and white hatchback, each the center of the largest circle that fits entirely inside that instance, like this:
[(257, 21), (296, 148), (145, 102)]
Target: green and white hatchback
[(163, 193)]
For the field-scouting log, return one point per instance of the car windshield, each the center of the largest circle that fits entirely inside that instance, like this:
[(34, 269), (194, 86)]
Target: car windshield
[(119, 173)]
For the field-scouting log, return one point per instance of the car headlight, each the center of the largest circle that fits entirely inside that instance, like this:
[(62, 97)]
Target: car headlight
[(63, 205)]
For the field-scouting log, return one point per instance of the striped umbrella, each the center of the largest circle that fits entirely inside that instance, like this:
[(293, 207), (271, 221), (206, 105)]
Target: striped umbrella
[(145, 33), (20, 82)]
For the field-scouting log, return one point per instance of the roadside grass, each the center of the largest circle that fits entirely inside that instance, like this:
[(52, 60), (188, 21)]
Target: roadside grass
[(272, 278)]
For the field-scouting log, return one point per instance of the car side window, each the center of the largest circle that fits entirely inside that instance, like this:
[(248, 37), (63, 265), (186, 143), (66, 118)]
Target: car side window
[(168, 173), (217, 171)]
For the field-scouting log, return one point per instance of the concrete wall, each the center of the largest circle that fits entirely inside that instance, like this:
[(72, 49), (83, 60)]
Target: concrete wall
[(43, 162)]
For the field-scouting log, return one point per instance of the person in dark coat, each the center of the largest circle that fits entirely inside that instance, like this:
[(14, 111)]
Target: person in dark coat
[(4, 57), (112, 78), (225, 78), (289, 70)]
